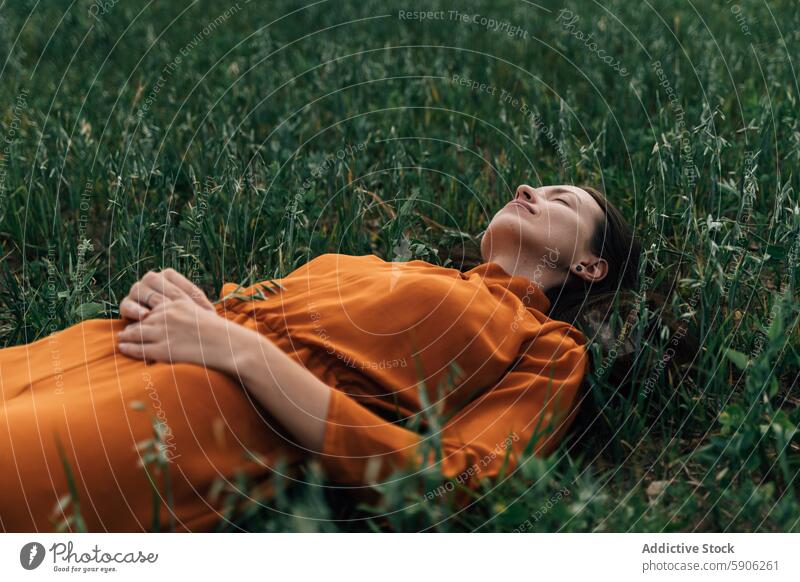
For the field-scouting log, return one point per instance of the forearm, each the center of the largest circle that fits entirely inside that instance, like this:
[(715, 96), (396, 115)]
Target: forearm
[(293, 395)]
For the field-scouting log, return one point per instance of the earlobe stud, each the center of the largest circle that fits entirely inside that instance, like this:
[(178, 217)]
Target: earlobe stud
[(579, 268)]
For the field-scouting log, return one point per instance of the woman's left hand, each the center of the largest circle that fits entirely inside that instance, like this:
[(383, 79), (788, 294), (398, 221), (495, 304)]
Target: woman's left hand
[(181, 331)]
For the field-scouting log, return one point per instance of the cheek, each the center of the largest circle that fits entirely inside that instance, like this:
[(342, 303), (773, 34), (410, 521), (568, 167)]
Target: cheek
[(564, 235), (570, 226)]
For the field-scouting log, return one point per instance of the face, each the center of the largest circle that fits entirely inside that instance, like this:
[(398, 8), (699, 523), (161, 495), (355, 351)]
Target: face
[(547, 227)]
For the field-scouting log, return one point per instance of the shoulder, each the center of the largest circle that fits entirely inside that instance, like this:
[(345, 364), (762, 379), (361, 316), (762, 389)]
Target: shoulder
[(556, 341), (564, 331)]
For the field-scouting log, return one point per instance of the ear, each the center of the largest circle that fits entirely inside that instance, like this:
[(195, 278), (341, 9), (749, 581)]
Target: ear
[(592, 270)]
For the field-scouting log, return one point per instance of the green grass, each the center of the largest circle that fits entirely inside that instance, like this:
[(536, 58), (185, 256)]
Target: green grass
[(227, 167)]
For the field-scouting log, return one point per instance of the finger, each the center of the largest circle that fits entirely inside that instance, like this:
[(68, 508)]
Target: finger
[(146, 352), (160, 310), (145, 295), (159, 283), (139, 333), (130, 309), (189, 288)]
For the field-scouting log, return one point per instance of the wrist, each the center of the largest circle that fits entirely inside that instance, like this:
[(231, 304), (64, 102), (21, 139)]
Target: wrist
[(225, 343), (245, 349)]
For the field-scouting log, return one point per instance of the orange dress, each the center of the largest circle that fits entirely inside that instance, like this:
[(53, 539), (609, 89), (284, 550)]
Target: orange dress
[(407, 347)]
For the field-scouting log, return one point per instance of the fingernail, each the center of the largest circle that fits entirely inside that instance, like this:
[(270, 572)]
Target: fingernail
[(123, 347)]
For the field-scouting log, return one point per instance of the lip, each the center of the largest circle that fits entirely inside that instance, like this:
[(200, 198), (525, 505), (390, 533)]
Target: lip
[(521, 203)]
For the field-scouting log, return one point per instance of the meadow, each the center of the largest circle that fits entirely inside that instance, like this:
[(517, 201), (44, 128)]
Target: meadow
[(234, 141)]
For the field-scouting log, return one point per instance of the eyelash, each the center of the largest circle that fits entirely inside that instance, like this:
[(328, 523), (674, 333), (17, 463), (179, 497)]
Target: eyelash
[(562, 200)]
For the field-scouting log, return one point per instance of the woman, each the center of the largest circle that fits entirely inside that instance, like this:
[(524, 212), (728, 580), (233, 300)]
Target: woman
[(356, 361)]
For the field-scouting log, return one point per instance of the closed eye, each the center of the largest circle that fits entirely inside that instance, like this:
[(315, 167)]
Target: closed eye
[(562, 200)]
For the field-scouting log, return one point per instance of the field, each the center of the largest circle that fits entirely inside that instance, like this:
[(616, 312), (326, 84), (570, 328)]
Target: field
[(235, 141)]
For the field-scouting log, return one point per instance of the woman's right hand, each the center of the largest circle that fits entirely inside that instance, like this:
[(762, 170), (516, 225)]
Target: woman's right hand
[(155, 288)]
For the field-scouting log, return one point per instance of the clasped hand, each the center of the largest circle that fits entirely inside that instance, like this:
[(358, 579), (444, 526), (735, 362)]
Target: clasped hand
[(174, 322)]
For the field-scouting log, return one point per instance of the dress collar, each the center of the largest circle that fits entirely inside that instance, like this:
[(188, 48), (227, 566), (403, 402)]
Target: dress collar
[(529, 292)]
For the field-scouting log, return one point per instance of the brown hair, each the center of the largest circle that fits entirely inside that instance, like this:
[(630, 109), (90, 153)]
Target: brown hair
[(607, 313), (613, 240)]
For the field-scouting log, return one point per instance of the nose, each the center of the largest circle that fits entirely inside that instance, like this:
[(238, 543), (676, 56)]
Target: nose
[(527, 194)]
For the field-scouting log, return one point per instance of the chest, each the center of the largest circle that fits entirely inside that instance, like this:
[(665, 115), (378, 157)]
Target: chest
[(404, 325)]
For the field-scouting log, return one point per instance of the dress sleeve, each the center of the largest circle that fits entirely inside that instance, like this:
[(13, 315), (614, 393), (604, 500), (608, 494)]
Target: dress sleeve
[(534, 403)]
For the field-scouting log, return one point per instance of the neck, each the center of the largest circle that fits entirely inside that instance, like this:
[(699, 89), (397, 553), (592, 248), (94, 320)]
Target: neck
[(543, 271)]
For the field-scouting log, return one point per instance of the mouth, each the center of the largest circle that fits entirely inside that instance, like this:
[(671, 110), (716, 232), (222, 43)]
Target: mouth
[(522, 204)]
